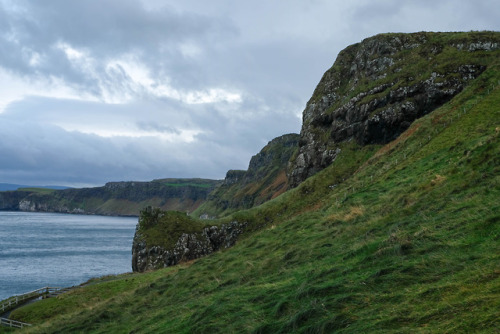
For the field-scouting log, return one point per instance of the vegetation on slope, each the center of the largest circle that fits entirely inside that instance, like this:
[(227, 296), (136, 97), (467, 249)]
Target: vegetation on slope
[(265, 179), (378, 87), (402, 238), (163, 228), (421, 55)]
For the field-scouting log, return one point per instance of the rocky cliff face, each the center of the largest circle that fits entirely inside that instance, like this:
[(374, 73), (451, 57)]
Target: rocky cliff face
[(377, 88), (264, 179), (150, 252), (275, 154), (12, 200)]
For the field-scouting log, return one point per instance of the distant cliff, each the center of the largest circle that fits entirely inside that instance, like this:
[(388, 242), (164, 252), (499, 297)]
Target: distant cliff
[(10, 200), (265, 179), (115, 198), (377, 88)]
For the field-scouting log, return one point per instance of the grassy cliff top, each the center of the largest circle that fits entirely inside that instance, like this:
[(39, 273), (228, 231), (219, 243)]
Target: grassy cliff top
[(400, 60), (163, 228)]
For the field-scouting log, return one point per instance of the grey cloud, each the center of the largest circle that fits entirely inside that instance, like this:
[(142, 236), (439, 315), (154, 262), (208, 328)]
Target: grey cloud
[(269, 53), (153, 126), (47, 152), (51, 154), (109, 26), (426, 15), (106, 30)]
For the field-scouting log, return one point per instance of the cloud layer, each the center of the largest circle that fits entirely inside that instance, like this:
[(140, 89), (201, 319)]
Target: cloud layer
[(94, 91)]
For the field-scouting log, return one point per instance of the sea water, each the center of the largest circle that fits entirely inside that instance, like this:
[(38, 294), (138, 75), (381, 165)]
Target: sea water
[(61, 250)]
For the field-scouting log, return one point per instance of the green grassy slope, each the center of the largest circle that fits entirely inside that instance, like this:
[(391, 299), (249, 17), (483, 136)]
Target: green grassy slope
[(402, 238)]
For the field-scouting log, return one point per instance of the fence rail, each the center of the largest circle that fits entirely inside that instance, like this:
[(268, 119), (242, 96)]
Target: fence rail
[(13, 323), (14, 301)]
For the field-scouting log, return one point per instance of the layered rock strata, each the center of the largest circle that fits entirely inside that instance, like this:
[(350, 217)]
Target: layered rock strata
[(377, 88)]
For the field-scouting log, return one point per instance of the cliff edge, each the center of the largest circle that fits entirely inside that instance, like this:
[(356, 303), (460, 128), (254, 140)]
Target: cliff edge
[(377, 88), (264, 180)]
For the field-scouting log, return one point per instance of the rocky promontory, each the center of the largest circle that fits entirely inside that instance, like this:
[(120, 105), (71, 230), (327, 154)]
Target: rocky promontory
[(377, 88), (164, 239)]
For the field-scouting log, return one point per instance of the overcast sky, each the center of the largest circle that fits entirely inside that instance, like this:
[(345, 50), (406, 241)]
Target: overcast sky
[(113, 90)]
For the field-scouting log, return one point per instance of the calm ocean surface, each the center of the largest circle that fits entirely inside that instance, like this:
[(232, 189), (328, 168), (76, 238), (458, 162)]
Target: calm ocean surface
[(50, 249)]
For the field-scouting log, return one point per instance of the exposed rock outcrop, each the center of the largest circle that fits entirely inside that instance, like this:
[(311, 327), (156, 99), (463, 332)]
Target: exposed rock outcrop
[(264, 179), (11, 200), (189, 246), (377, 88), (234, 176)]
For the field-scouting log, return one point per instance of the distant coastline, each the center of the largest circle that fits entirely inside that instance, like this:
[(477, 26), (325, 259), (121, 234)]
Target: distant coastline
[(125, 199), (13, 187)]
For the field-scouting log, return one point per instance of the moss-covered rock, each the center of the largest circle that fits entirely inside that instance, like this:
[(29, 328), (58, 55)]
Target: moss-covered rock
[(265, 179), (377, 88), (165, 238)]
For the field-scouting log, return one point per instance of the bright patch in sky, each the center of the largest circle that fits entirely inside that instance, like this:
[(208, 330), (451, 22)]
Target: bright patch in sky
[(78, 57), (179, 136), (15, 88), (212, 96)]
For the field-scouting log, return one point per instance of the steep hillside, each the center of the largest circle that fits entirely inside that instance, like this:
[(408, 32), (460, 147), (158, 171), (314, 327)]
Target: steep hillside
[(115, 198), (265, 179), (377, 88), (400, 237)]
